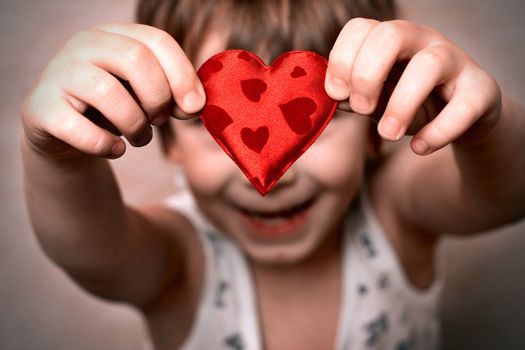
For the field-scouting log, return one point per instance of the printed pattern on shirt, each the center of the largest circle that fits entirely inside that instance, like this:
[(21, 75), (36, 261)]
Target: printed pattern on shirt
[(380, 318), (234, 342)]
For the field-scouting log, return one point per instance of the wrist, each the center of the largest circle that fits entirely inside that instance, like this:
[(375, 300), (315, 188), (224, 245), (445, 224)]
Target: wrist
[(56, 152)]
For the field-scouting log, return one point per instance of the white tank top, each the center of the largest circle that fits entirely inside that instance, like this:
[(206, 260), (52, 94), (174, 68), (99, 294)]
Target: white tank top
[(379, 310)]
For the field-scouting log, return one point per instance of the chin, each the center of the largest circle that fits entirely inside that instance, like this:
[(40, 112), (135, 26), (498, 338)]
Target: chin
[(281, 234), (280, 254), (305, 246)]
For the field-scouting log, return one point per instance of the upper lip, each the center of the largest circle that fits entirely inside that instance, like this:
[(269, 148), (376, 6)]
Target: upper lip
[(284, 211)]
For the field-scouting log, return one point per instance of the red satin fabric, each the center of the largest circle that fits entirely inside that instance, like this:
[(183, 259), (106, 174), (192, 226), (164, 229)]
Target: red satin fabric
[(265, 117)]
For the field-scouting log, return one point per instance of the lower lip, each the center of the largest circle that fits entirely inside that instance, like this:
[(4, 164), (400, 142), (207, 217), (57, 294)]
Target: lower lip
[(276, 228)]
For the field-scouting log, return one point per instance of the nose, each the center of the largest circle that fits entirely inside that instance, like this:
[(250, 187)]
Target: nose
[(288, 179)]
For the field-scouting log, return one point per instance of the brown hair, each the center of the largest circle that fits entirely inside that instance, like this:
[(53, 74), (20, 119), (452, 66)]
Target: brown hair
[(266, 27)]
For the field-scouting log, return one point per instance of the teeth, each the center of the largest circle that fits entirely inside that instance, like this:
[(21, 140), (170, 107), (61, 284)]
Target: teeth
[(270, 221), (279, 215), (269, 215)]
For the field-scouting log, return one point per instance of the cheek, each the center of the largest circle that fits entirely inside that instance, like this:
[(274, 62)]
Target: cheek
[(337, 159), (208, 169)]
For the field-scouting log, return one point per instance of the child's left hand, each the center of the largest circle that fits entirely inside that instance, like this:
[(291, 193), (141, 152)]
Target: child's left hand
[(363, 57)]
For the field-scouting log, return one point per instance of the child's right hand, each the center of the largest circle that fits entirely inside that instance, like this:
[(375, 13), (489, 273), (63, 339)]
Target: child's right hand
[(86, 72)]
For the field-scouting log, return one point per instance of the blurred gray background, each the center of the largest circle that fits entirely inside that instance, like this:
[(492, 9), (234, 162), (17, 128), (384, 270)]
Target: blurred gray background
[(41, 309)]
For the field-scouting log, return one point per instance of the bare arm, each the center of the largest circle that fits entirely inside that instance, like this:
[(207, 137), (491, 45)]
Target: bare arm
[(462, 172), (462, 188), (83, 225), (74, 201)]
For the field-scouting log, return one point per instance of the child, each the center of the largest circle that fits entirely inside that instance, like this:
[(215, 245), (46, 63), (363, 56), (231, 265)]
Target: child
[(329, 258)]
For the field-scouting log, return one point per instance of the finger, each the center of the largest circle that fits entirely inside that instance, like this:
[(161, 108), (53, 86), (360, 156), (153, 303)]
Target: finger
[(180, 114), (68, 125), (185, 85), (387, 43), (429, 68), (104, 92), (342, 56), (134, 62), (464, 109)]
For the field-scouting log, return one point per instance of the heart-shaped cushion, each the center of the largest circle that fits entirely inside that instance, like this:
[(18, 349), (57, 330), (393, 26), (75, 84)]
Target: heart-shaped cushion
[(265, 117)]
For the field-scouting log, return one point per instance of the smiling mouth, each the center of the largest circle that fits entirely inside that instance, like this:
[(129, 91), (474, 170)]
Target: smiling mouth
[(278, 223)]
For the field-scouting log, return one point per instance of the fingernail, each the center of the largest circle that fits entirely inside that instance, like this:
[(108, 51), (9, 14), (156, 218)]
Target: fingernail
[(337, 88), (420, 146), (161, 119), (360, 103), (390, 128), (117, 150), (193, 100), (144, 138)]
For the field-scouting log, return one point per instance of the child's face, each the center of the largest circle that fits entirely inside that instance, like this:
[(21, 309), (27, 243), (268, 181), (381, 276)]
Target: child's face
[(304, 207)]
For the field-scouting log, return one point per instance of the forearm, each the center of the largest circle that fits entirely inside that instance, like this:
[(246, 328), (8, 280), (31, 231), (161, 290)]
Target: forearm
[(75, 206), (82, 223), (468, 188), (463, 188)]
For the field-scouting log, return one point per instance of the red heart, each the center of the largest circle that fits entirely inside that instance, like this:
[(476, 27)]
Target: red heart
[(265, 117)]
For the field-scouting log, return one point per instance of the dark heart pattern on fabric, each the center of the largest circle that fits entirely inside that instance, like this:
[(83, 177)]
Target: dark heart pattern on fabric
[(265, 117), (255, 140)]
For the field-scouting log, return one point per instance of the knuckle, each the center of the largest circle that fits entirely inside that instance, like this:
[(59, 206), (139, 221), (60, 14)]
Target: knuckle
[(437, 37), (495, 89), (98, 145), (77, 44), (104, 88), (92, 141), (106, 26), (435, 61), (431, 59), (475, 76), (39, 103), (465, 108), (28, 108), (81, 37), (74, 49), (136, 53), (390, 31), (487, 80), (359, 24), (28, 116), (493, 84), (65, 125), (162, 38)]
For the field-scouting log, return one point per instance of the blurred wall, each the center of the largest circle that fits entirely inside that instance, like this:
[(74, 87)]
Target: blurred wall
[(41, 309)]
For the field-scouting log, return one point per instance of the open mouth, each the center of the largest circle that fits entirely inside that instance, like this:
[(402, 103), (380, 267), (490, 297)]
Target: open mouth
[(276, 223)]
